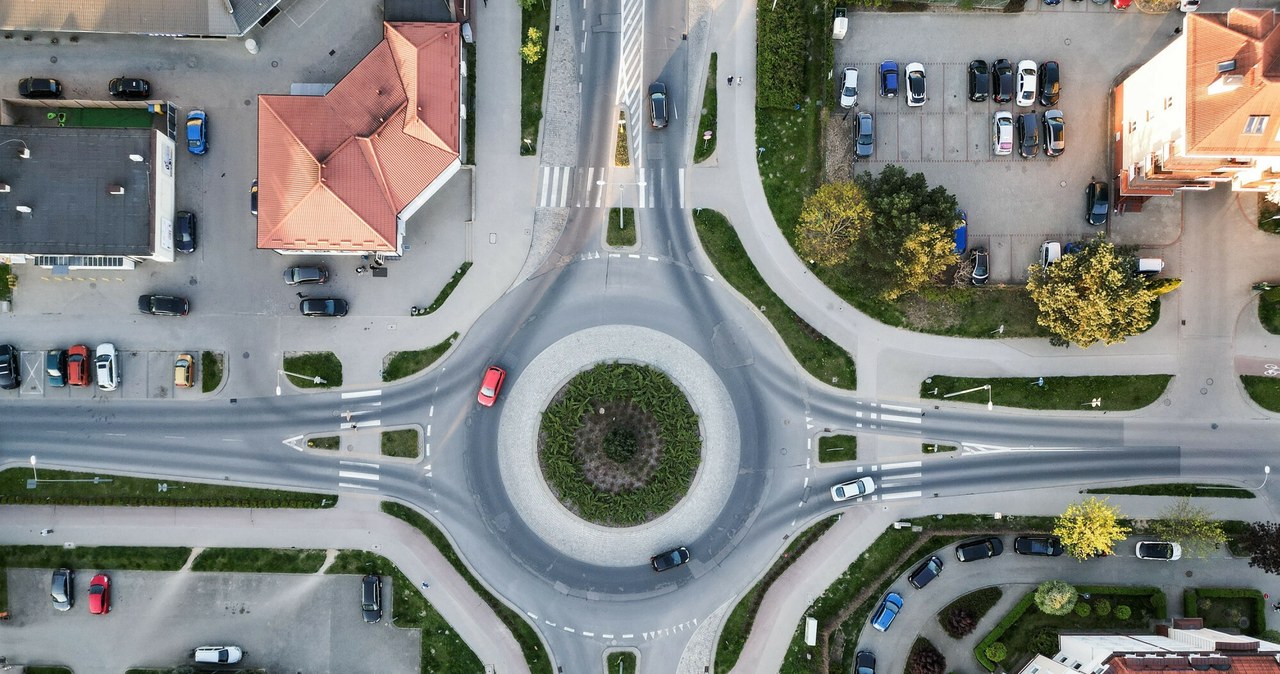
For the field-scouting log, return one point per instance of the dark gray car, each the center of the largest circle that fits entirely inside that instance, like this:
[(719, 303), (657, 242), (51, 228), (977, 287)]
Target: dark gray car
[(866, 134), (658, 105), (323, 306), (61, 589), (305, 275), (670, 559), (371, 598), (9, 377)]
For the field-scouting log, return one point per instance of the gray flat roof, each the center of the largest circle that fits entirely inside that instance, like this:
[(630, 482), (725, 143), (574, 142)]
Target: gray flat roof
[(65, 183), (141, 17)]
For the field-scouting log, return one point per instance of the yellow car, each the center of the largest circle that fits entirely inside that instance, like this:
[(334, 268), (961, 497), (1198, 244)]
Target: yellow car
[(184, 370)]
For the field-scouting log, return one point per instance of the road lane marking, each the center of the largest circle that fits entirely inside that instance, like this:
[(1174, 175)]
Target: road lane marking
[(900, 419), (359, 463), (348, 485), (358, 476), (904, 464), (428, 449), (361, 394), (293, 442), (428, 430), (900, 495), (900, 408), (899, 476), (175, 437)]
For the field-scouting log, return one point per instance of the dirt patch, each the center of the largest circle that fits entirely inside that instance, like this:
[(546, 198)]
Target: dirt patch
[(837, 145), (604, 473)]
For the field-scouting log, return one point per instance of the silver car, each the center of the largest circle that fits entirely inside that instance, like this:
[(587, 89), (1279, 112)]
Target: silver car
[(61, 589), (106, 366), (866, 134), (849, 89)]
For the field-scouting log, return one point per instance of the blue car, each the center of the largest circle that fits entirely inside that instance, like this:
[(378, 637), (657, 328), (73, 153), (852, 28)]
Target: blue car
[(962, 232), (197, 132), (889, 79), (889, 607)]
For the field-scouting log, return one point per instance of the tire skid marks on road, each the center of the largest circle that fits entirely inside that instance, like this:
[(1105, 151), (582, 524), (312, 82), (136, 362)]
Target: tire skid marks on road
[(358, 470), (586, 187)]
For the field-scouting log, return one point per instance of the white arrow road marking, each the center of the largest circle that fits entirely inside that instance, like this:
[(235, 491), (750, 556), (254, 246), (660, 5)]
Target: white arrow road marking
[(293, 442)]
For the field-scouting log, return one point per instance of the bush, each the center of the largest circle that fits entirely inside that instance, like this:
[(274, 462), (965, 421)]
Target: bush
[(1270, 635), (1003, 626), (1102, 607), (1056, 597), (783, 54), (1045, 642), (620, 444), (960, 623), (1083, 610), (997, 652), (925, 659), (1123, 612)]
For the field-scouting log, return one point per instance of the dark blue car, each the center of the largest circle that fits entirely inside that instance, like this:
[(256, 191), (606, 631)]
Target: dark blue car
[(197, 130), (962, 232), (889, 79)]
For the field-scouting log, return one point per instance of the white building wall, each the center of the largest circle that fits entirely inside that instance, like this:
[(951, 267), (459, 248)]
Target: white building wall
[(1155, 105)]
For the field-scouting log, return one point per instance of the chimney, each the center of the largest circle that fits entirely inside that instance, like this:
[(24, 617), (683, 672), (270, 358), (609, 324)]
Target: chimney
[(115, 189)]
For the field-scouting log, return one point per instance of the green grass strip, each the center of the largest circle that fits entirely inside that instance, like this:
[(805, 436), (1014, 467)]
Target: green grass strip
[(1179, 489), (210, 371), (1263, 390), (110, 558), (620, 663), (405, 363), (402, 443), (116, 490), (322, 364), (446, 291), (533, 75), (833, 448), (259, 560), (1119, 392), (819, 356), (707, 122), (622, 227)]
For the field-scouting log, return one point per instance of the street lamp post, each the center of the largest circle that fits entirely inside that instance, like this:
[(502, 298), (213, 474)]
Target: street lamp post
[(314, 380), (987, 387), (35, 478), (1266, 473)]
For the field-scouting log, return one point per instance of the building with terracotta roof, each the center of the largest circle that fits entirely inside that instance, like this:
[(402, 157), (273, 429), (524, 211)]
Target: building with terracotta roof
[(341, 172), (1185, 647), (1199, 112)]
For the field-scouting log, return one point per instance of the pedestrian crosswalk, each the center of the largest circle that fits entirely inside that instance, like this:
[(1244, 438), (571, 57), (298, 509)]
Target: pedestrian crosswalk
[(579, 187)]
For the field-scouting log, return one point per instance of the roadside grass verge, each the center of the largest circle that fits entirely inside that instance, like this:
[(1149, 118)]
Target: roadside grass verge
[(210, 370), (934, 448), (621, 150), (442, 649), (404, 363), (833, 448), (737, 627), (707, 121), (533, 75), (37, 669), (259, 560), (975, 605), (402, 443), (326, 442), (111, 558), (818, 355), (446, 291), (322, 364), (116, 490), (1263, 390), (1269, 308), (1119, 392), (1177, 489), (620, 663), (981, 313), (523, 632), (621, 231), (6, 285)]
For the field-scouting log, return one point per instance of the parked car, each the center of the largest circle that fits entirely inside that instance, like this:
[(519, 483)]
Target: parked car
[(1002, 81), (1121, 4), (163, 305), (1028, 135), (982, 548), (197, 132), (39, 87), (78, 365), (844, 491), (62, 589), (184, 232), (1002, 133), (129, 87), (371, 598), (864, 663), (108, 370), (866, 142), (887, 611), (9, 366), (1026, 83), (55, 367), (1050, 252), (1055, 133), (1189, 5), (100, 594), (253, 197), (961, 234), (1050, 86), (889, 79), (491, 385), (979, 81), (305, 275), (331, 307), (925, 573), (184, 370), (1159, 550), (217, 655), (1150, 266), (916, 96), (670, 559), (658, 105), (981, 267), (849, 88), (1043, 546), (1097, 203)]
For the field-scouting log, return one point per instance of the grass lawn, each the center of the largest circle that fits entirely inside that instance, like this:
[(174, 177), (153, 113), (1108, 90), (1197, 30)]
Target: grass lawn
[(326, 442), (976, 604), (402, 443), (446, 291), (111, 558), (322, 364), (620, 663), (259, 560), (1178, 489), (404, 363), (1120, 392), (1264, 390), (819, 356), (622, 227), (1269, 310), (139, 491), (1243, 609), (210, 370), (442, 649), (1268, 215), (532, 76), (707, 121), (934, 448), (832, 448), (987, 312), (6, 290), (524, 634), (1037, 632)]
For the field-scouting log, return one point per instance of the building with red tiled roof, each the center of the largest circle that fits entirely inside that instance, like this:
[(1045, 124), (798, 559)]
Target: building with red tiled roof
[(1200, 112), (342, 172), (1185, 647)]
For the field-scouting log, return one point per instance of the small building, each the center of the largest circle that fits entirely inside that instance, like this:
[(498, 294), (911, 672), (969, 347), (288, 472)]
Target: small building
[(1184, 647)]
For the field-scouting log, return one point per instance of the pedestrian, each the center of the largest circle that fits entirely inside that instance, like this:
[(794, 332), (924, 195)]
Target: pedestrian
[(739, 82), (360, 269), (425, 585), (1177, 31), (1275, 606), (731, 80), (46, 532)]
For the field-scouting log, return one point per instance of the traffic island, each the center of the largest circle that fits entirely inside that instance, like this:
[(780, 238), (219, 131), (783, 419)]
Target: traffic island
[(319, 369), (1118, 392)]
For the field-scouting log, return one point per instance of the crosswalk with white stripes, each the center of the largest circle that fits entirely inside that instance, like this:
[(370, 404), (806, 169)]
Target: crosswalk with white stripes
[(579, 187)]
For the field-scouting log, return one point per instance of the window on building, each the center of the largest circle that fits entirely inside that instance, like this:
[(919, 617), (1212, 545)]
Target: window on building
[(1255, 125), (1133, 126), (1168, 103)]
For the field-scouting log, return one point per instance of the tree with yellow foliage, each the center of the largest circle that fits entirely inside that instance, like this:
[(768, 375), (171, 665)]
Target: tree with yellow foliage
[(1091, 527), (1093, 295), (832, 220)]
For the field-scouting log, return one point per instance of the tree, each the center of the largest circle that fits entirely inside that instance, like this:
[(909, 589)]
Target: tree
[(1089, 528), (960, 622), (1056, 597), (909, 240), (1161, 286), (526, 4), (832, 220), (531, 50), (1091, 295), (1191, 526), (925, 659), (1262, 540)]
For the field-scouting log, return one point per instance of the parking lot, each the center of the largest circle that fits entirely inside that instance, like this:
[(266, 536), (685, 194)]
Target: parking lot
[(1013, 204), (284, 622), (143, 374)]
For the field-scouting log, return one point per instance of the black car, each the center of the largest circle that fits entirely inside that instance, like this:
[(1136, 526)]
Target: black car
[(1002, 81), (979, 81), (163, 305), (184, 232), (982, 548), (1050, 87), (670, 559), (61, 589), (325, 306), (1097, 203), (864, 663), (925, 573), (658, 105), (305, 275), (981, 267), (1055, 133), (371, 598), (253, 197), (1028, 135), (9, 377), (129, 87), (1043, 546), (39, 87)]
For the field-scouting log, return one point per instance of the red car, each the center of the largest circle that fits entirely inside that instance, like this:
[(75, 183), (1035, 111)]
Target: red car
[(492, 383), (1121, 4), (78, 365), (100, 594)]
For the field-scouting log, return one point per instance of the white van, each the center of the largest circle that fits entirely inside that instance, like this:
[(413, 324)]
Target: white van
[(1050, 251), (1150, 266)]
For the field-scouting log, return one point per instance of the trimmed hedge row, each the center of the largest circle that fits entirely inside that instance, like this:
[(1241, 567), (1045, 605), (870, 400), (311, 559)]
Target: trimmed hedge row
[(1155, 595), (1258, 622), (980, 651)]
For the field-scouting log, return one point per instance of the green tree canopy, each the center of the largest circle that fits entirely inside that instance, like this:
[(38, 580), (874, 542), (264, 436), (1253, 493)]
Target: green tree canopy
[(1091, 295), (909, 241), (1090, 527), (1262, 540), (831, 222), (1056, 597), (1191, 526)]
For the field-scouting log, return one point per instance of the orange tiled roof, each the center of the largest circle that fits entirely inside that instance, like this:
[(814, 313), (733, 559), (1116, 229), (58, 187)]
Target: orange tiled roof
[(1216, 121), (334, 171), (1194, 664)]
